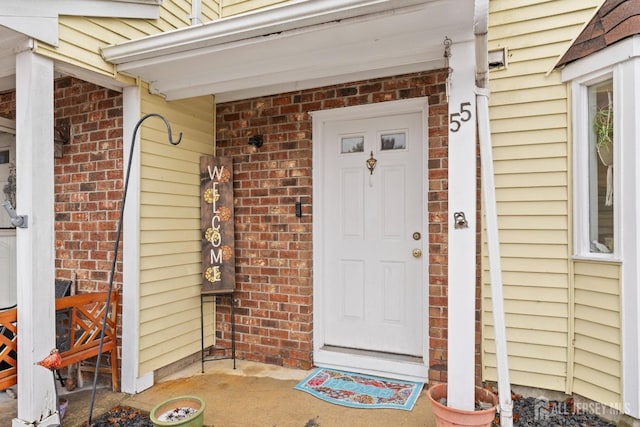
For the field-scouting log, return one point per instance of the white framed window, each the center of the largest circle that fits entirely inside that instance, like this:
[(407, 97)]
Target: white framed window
[(591, 77), (596, 175)]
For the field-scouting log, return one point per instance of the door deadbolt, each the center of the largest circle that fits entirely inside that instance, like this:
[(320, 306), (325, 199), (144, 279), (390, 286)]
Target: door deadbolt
[(417, 253), (416, 236)]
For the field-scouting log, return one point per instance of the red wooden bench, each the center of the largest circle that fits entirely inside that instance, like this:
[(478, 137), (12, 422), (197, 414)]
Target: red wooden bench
[(78, 325)]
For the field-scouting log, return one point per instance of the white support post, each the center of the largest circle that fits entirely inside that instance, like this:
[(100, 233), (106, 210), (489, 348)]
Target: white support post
[(35, 244), (130, 381), (495, 268), (627, 93), (462, 237)]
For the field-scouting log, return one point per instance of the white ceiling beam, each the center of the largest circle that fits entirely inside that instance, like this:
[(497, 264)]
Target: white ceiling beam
[(279, 18), (305, 44), (140, 9), (245, 89), (40, 27), (38, 19)]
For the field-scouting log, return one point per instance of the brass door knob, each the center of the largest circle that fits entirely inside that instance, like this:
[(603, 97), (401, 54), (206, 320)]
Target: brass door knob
[(417, 253)]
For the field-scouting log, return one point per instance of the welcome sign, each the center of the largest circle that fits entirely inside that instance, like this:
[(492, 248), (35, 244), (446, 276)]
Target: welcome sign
[(216, 219)]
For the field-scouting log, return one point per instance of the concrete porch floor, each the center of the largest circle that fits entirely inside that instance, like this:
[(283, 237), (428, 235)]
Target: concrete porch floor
[(252, 395)]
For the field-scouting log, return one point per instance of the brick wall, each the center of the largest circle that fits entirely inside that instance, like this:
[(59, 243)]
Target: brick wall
[(88, 186), (274, 248), (88, 180), (88, 183)]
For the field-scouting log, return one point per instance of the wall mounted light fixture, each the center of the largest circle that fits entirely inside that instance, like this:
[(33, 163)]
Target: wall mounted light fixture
[(61, 136), (256, 141)]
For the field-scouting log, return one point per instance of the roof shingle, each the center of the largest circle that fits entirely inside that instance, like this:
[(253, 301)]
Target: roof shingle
[(614, 21)]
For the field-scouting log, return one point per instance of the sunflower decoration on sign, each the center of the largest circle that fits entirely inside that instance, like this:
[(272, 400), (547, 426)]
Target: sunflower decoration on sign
[(209, 196), (225, 175), (227, 253), (224, 213), (212, 274), (213, 235)]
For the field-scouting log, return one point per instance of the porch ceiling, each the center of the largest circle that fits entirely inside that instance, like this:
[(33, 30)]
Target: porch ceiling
[(296, 46)]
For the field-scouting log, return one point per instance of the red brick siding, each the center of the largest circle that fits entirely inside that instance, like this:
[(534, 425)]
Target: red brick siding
[(274, 248), (88, 186), (87, 181)]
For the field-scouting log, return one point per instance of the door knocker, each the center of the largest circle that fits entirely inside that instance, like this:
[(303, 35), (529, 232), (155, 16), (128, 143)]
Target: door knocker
[(371, 163)]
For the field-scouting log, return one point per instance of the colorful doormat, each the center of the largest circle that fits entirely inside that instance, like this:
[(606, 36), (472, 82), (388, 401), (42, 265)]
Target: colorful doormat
[(360, 391)]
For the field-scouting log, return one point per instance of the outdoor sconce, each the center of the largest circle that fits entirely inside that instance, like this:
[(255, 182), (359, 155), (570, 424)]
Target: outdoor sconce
[(256, 141), (20, 221), (61, 136)]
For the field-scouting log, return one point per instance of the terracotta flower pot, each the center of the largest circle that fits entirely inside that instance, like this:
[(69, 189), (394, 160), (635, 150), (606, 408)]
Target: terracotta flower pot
[(452, 417), (175, 407)]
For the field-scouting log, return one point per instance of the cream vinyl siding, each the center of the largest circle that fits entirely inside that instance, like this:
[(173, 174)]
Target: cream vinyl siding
[(597, 367), (236, 7), (81, 38), (210, 10), (529, 125), (170, 238)]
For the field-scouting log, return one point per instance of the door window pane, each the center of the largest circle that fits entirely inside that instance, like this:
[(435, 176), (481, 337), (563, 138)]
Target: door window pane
[(601, 191), (351, 144), (393, 141)]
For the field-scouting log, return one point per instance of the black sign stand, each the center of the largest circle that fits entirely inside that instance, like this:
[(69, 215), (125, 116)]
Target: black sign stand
[(214, 349)]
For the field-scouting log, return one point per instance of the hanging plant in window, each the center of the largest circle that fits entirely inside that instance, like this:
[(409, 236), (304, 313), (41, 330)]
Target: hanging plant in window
[(603, 128), (10, 188)]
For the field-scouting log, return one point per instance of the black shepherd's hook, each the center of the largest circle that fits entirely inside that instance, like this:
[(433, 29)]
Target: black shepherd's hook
[(117, 245)]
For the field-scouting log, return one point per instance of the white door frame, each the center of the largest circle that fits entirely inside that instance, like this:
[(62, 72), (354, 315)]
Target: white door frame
[(365, 362), (8, 291)]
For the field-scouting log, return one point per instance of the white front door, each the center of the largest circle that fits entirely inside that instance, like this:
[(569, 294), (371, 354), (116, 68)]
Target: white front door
[(372, 233), (8, 288)]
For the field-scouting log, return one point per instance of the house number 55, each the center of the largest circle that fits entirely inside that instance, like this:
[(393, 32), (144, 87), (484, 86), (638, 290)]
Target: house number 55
[(456, 119)]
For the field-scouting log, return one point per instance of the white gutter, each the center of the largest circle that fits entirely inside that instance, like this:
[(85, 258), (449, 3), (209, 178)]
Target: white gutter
[(481, 29), (284, 17)]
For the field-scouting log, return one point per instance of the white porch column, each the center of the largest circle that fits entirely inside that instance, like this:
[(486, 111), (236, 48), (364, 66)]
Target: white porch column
[(627, 92), (131, 382), (462, 239), (35, 247)]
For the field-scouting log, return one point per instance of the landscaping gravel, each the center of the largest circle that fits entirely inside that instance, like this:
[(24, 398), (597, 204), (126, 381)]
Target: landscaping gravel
[(527, 412), (532, 412), (122, 416)]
